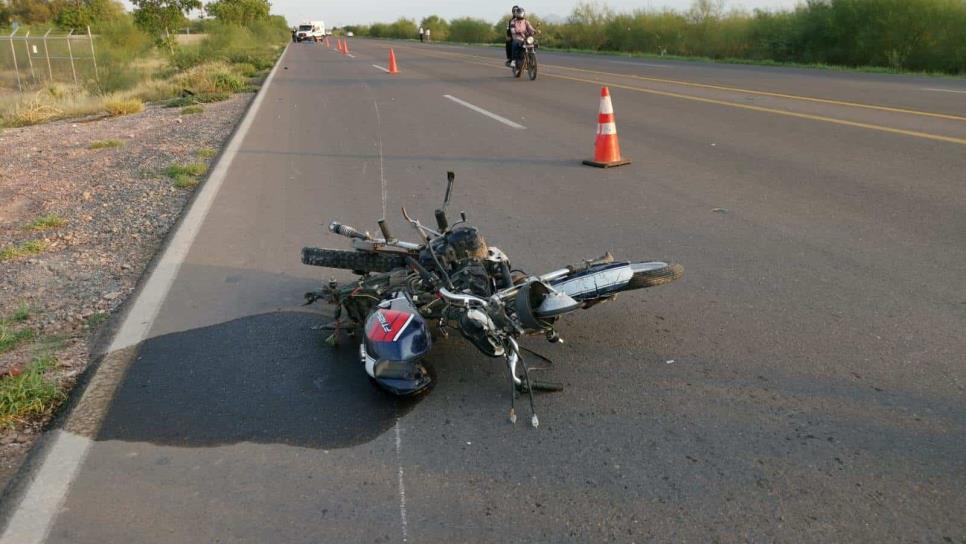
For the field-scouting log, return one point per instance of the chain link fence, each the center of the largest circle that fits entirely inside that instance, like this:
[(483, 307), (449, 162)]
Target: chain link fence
[(29, 60)]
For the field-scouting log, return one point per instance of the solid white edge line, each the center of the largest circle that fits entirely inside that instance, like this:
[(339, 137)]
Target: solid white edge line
[(489, 114), (381, 68), (943, 90), (32, 520)]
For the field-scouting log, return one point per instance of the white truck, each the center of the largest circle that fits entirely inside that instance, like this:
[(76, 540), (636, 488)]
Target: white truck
[(312, 30)]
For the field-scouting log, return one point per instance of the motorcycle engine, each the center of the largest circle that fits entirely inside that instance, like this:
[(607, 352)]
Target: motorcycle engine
[(469, 261)]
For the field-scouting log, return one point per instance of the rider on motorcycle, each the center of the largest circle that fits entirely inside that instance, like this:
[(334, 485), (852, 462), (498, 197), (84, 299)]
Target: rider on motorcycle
[(519, 29)]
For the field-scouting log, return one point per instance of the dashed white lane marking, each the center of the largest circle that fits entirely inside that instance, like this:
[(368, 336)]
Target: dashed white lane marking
[(381, 68), (943, 90), (38, 509), (402, 485), (489, 114)]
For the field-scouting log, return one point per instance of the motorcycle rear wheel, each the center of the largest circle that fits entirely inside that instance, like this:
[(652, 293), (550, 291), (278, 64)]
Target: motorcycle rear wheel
[(356, 261)]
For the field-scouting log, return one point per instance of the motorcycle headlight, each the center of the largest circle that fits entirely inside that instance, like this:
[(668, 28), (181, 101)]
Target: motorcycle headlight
[(529, 40)]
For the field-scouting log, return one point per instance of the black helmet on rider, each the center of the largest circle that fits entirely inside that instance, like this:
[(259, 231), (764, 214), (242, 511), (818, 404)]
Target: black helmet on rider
[(519, 12)]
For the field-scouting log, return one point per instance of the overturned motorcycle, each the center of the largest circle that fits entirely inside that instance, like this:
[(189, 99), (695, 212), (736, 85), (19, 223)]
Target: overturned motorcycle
[(453, 279)]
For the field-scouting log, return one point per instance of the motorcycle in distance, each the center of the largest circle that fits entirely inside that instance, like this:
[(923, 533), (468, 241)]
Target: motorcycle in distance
[(452, 280), (527, 61)]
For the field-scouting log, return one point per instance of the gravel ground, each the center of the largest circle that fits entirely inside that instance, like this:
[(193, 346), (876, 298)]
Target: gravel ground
[(117, 206)]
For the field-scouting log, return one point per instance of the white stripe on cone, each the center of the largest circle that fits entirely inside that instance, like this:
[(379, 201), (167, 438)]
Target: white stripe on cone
[(605, 105), (607, 128)]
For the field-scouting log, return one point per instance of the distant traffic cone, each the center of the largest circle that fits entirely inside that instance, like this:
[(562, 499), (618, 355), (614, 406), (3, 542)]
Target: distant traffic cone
[(607, 150), (339, 48), (325, 42), (392, 62), (345, 47)]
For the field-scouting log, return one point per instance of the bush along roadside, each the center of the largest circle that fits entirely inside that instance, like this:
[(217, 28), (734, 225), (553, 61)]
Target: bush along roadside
[(230, 59), (920, 36)]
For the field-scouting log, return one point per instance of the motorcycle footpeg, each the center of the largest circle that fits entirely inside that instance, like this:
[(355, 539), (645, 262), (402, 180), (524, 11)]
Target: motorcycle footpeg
[(537, 385)]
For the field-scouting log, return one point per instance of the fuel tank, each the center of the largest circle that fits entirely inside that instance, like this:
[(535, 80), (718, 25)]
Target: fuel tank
[(396, 342)]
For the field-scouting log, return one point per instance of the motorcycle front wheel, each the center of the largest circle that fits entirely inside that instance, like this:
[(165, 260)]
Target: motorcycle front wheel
[(532, 65)]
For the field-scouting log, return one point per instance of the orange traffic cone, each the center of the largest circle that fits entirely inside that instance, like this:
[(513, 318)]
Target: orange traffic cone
[(339, 46), (325, 42), (345, 47), (392, 62), (607, 150)]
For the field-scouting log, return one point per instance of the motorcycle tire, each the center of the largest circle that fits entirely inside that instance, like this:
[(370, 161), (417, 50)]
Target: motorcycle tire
[(653, 278), (356, 261), (532, 67)]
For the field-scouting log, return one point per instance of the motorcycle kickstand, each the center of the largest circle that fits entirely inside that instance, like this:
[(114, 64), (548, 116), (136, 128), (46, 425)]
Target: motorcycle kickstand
[(513, 395), (534, 421)]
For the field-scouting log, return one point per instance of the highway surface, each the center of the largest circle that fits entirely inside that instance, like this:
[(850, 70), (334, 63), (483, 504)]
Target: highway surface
[(804, 382)]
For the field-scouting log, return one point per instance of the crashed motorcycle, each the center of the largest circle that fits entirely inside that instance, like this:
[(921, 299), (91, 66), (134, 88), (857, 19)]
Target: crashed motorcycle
[(451, 279)]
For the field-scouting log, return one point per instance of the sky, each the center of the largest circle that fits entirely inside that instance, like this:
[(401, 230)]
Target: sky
[(343, 12)]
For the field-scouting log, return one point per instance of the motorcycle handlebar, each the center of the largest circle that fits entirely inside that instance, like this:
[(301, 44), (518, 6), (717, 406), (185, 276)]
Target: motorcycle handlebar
[(459, 299), (347, 231)]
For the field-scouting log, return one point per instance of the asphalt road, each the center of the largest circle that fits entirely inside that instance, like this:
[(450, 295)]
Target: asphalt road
[(805, 381)]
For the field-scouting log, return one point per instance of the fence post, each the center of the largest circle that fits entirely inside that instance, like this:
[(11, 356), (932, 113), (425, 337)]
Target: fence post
[(90, 38), (15, 67), (50, 70), (70, 54), (30, 60)]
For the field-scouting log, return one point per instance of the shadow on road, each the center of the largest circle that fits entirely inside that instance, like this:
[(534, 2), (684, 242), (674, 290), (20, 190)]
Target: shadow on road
[(267, 379)]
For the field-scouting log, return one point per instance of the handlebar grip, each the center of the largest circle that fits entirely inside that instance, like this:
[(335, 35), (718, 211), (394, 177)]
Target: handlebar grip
[(347, 231), (441, 220), (385, 230)]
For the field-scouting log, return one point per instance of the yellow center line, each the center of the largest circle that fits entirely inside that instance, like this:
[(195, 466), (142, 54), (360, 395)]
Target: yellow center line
[(822, 118), (749, 91)]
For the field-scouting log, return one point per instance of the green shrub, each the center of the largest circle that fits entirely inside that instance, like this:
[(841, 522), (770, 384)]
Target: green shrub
[(24, 249), (106, 144), (191, 110), (470, 30), (50, 220), (29, 392), (190, 169)]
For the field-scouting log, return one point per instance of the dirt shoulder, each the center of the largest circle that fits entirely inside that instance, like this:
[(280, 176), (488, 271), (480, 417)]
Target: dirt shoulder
[(84, 206)]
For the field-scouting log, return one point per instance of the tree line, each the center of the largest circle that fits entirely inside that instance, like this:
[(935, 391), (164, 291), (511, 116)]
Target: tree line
[(901, 35)]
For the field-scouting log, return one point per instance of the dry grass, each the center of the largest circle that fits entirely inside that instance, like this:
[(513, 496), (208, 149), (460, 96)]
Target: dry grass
[(24, 249), (190, 110), (211, 77), (117, 106), (45, 222), (106, 144)]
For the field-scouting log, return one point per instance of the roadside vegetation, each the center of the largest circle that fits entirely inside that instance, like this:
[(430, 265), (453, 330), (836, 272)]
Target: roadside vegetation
[(23, 249), (186, 176), (882, 35), (106, 144), (139, 62)]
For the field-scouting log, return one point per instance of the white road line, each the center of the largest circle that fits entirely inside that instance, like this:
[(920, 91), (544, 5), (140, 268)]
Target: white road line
[(943, 90), (632, 63), (402, 486), (42, 501), (350, 55), (381, 68), (489, 114)]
